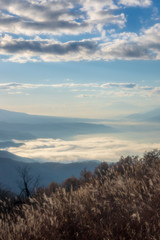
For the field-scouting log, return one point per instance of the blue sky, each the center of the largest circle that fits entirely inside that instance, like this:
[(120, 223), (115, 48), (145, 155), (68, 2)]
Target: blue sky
[(86, 58)]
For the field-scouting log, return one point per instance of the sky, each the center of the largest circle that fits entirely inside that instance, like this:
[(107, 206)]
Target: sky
[(85, 58)]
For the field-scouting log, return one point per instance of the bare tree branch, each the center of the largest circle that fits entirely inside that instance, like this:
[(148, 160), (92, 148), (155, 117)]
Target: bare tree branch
[(27, 183)]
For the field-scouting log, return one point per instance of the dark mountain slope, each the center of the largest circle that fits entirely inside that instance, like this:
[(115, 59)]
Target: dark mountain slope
[(47, 172)]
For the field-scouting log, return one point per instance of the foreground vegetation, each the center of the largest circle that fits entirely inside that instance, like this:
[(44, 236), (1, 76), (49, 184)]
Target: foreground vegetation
[(117, 202)]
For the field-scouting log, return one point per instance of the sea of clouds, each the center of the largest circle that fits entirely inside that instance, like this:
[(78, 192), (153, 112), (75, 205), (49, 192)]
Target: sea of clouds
[(80, 149)]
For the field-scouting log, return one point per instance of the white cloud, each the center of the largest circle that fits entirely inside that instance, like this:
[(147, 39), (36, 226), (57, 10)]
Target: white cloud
[(90, 148), (53, 19), (88, 90), (57, 17), (16, 86), (119, 85), (128, 46), (135, 3), (87, 96)]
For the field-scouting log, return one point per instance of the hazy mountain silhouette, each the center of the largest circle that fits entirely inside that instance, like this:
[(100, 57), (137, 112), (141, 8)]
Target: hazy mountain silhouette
[(150, 116), (15, 125), (8, 155), (48, 172), (18, 117), (8, 134)]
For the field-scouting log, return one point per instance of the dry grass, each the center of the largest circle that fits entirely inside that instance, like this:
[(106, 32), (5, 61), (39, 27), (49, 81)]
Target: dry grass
[(122, 203)]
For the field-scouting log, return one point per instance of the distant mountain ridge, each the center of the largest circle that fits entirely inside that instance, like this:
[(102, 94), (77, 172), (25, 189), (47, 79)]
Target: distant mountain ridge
[(150, 116), (48, 172), (19, 117), (8, 155), (23, 126)]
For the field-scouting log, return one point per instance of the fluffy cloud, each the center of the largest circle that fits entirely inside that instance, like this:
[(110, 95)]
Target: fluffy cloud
[(135, 3), (47, 49), (91, 148), (41, 22), (128, 46), (131, 46), (57, 17)]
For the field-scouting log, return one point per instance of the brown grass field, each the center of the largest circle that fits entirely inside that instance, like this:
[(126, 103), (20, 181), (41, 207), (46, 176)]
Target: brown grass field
[(117, 202)]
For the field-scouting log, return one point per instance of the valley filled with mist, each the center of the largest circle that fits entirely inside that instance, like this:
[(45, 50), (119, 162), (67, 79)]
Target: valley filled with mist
[(55, 148)]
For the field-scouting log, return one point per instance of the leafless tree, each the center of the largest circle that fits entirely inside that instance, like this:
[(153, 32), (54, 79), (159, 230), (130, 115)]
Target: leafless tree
[(27, 182)]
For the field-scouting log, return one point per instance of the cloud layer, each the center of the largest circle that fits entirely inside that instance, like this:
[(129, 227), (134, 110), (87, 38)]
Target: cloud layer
[(127, 46), (34, 31), (89, 89), (56, 17), (90, 148)]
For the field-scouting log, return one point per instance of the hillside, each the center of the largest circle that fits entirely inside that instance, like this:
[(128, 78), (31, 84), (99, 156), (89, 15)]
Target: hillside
[(120, 201), (47, 172)]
